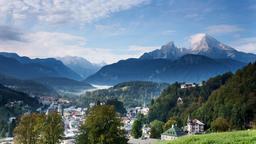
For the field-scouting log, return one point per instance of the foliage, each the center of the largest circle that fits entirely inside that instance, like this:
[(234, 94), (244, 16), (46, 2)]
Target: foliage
[(166, 105), (137, 129), (235, 137), (103, 126), (29, 129), (169, 123), (235, 101), (119, 106), (220, 124), (156, 129), (38, 128), (53, 128)]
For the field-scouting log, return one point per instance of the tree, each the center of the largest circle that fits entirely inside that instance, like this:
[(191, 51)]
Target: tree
[(220, 124), (156, 129), (53, 128), (28, 129), (137, 129), (169, 123), (102, 126), (119, 106)]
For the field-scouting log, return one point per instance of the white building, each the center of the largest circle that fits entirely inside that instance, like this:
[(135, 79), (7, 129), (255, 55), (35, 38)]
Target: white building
[(173, 133), (187, 85), (195, 126)]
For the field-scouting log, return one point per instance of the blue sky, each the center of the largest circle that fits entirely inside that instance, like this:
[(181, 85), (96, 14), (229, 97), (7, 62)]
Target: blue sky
[(110, 30)]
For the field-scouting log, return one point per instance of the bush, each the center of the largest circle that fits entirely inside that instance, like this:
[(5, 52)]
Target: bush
[(220, 124)]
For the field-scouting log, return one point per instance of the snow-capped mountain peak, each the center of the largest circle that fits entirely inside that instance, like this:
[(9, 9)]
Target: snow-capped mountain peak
[(200, 44), (203, 42)]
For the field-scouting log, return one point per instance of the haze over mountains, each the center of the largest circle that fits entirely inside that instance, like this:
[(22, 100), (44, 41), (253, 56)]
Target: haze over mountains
[(206, 58)]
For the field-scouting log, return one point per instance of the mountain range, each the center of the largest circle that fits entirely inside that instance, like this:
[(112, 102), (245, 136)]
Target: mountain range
[(25, 68), (200, 44), (207, 57)]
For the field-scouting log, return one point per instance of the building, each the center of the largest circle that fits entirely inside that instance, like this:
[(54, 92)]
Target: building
[(194, 126), (179, 101), (173, 133), (187, 85)]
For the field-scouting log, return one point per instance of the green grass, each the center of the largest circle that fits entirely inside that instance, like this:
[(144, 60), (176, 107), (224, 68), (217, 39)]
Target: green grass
[(236, 137)]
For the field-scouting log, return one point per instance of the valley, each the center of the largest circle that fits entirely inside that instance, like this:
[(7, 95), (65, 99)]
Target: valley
[(160, 90)]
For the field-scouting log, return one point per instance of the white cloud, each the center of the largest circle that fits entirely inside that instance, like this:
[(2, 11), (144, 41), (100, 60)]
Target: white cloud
[(62, 11), (223, 29), (246, 44), (52, 44)]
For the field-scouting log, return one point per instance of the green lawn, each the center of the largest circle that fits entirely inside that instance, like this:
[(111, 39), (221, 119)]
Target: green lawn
[(236, 137)]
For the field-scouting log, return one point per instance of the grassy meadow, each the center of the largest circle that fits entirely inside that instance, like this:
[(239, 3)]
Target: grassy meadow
[(235, 137)]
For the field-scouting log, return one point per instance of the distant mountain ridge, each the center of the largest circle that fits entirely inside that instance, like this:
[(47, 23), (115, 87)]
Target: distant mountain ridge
[(80, 65), (201, 44), (26, 68), (188, 68)]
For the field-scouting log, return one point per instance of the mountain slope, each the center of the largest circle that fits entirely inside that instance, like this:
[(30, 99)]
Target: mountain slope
[(26, 68), (8, 108), (80, 65), (189, 68), (229, 96), (234, 101), (27, 86)]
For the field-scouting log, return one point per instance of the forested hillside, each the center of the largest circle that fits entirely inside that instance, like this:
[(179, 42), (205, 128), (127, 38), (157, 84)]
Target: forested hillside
[(229, 96), (132, 93), (13, 104)]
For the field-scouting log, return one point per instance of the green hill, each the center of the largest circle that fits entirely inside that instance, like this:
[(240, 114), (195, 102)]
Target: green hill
[(131, 93), (236, 137), (230, 96), (13, 104)]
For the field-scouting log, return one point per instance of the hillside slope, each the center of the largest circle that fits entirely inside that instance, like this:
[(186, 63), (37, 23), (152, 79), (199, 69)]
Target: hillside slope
[(232, 97), (133, 93)]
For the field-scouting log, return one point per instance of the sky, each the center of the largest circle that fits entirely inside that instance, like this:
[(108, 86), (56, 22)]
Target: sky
[(111, 30)]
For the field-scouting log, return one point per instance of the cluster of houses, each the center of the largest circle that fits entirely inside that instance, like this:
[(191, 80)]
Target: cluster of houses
[(131, 117), (194, 126)]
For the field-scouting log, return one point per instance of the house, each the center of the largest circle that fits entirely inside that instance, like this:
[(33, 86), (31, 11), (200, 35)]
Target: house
[(187, 85), (194, 126), (173, 133), (179, 101)]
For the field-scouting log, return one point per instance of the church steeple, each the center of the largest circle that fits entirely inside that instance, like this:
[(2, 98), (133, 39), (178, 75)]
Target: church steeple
[(189, 119)]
